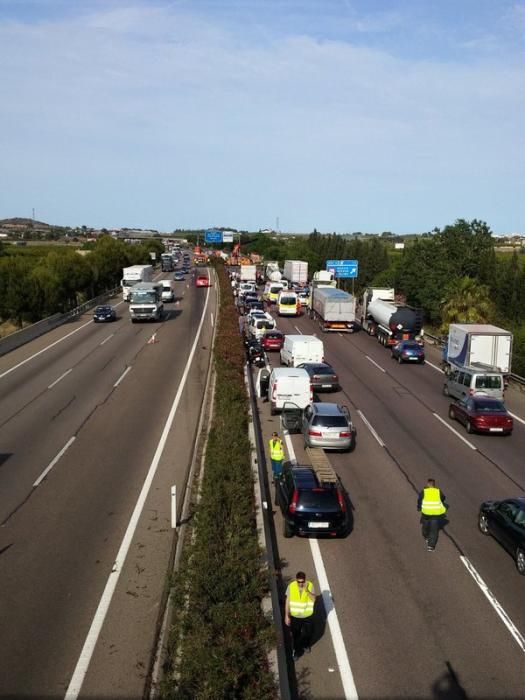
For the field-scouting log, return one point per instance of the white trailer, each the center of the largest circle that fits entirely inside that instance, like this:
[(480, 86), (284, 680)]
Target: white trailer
[(296, 271), (134, 275), (248, 273), (334, 309), (479, 345)]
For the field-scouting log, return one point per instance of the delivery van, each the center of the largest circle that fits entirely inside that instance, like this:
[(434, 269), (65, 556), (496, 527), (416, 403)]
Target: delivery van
[(288, 303), (288, 385), (168, 290), (463, 382), (301, 348)]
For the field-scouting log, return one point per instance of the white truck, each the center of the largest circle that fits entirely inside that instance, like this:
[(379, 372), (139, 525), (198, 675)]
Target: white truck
[(296, 271), (478, 345), (333, 309), (146, 302), (248, 273), (133, 275), (168, 290)]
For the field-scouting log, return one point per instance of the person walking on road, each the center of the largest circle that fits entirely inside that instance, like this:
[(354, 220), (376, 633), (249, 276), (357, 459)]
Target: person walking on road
[(276, 455), (298, 613), (432, 505)]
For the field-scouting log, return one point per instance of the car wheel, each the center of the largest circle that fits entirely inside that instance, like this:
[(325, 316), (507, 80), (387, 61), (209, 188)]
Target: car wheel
[(452, 413), (392, 356), (399, 360), (445, 390), (287, 529), (483, 524), (520, 561), (470, 429)]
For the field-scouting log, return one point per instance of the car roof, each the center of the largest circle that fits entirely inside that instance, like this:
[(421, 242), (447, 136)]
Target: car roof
[(326, 408)]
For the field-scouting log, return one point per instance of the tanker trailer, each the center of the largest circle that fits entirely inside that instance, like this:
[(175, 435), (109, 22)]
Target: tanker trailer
[(392, 322)]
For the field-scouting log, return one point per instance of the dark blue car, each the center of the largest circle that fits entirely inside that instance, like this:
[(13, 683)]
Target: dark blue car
[(408, 351), (103, 314)]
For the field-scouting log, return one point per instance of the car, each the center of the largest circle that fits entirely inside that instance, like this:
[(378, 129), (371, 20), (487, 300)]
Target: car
[(202, 281), (304, 296), (322, 375), (272, 340), (312, 501), (253, 305), (104, 313), (178, 276), (482, 414), (408, 351), (505, 521), (323, 424)]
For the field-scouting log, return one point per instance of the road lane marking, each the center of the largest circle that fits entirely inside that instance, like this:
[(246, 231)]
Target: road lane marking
[(370, 428), (60, 378), (122, 376), (495, 604), (54, 461), (84, 659), (106, 339), (211, 317), (375, 363), (343, 663), (472, 447), (298, 330), (516, 417), (434, 366)]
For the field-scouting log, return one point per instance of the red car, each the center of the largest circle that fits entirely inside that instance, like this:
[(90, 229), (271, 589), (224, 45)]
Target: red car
[(202, 281), (482, 414), (272, 340)]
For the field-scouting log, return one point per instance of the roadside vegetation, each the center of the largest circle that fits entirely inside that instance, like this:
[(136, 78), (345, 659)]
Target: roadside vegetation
[(220, 638)]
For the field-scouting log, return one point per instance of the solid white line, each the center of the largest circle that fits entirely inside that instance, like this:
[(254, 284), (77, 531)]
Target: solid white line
[(211, 316), (369, 426), (61, 377), (347, 678), (106, 339), (44, 349), (122, 376), (375, 363), (298, 330), (495, 604), (52, 464), (517, 417), (84, 660), (434, 366), (472, 447)]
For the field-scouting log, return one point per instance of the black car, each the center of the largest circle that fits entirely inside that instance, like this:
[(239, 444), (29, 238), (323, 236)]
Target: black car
[(104, 314), (312, 501), (505, 521), (323, 377)]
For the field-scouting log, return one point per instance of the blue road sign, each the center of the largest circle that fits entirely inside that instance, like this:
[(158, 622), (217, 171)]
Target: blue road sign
[(213, 236), (343, 268)]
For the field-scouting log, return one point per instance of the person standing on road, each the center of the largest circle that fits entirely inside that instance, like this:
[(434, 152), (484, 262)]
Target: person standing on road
[(432, 505), (276, 455), (298, 613)]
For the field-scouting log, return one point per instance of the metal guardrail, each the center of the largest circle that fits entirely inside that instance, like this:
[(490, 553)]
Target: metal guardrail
[(15, 340), (436, 340)]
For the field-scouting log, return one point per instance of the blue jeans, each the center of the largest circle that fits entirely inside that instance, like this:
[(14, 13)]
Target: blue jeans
[(277, 467)]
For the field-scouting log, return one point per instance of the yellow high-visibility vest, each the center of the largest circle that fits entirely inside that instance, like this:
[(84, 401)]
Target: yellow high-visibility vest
[(432, 503), (299, 601), (276, 449)]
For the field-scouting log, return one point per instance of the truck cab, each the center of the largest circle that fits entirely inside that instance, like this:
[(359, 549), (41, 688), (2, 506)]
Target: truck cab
[(146, 302)]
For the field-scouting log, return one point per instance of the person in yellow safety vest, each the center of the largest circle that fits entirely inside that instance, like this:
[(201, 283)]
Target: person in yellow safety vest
[(276, 455), (298, 613), (432, 505)]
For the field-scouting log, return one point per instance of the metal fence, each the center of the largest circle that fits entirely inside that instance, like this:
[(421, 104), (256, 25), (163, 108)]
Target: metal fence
[(15, 340)]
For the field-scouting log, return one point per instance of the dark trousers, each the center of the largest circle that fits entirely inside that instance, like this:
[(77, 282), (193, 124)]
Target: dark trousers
[(430, 525), (302, 629)]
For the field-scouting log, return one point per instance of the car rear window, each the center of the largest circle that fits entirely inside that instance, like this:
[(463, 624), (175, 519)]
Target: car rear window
[(330, 421), (323, 500), (488, 382), (490, 406), (322, 370)]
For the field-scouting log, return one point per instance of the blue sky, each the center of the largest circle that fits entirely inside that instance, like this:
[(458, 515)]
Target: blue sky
[(339, 115)]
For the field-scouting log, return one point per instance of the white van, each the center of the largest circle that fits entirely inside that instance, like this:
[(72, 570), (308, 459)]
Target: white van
[(257, 326), (289, 386), (288, 303), (168, 290), (463, 382), (301, 348)]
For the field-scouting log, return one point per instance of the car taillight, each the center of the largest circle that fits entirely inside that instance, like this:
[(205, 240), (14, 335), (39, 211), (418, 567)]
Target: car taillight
[(293, 503), (341, 500), (315, 433), (335, 378), (274, 394), (345, 434)]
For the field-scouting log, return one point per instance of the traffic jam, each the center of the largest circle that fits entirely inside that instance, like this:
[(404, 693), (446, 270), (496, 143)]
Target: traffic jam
[(303, 337)]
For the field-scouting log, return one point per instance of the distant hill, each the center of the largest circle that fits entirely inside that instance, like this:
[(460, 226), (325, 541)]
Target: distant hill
[(19, 222)]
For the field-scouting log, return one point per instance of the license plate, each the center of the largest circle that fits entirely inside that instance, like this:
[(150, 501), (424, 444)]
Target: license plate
[(319, 525), (412, 358), (496, 430), (326, 386)]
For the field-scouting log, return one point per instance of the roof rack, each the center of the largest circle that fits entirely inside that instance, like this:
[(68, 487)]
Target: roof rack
[(321, 466)]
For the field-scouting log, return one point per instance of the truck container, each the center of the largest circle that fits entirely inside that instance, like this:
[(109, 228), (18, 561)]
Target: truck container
[(389, 321), (333, 309), (146, 302), (248, 273), (480, 346), (133, 275), (296, 271)]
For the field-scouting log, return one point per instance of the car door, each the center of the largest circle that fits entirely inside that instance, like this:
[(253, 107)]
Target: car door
[(462, 410), (503, 526), (291, 417)]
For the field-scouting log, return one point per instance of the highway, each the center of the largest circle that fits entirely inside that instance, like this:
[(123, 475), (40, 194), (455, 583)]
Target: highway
[(96, 424), (404, 622)]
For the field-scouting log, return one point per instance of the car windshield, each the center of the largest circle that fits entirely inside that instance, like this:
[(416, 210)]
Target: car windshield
[(142, 297), (330, 422), (489, 406), (324, 500), (102, 309), (488, 381)]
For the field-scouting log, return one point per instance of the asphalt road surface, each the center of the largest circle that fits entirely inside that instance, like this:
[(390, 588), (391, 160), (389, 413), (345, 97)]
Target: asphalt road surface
[(393, 620), (96, 424)]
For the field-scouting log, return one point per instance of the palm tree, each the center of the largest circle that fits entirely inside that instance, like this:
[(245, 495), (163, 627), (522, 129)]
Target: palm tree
[(466, 301)]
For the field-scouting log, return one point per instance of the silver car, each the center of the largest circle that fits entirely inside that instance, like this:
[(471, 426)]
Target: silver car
[(325, 425)]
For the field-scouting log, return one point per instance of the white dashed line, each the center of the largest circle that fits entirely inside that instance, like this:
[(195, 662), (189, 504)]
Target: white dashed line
[(122, 376), (453, 430), (434, 366), (298, 330), (106, 339), (375, 363), (54, 461), (517, 417), (365, 421), (59, 379)]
